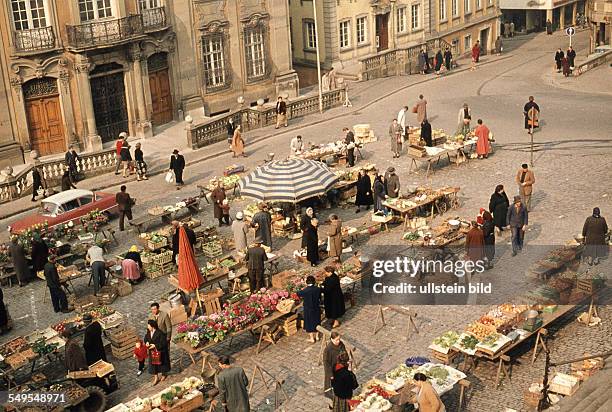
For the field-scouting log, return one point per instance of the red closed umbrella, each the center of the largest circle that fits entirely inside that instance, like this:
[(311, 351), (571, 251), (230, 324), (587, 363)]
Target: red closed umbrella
[(189, 276)]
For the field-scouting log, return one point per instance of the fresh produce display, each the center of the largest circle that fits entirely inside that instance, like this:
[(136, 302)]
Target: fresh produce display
[(41, 347), (375, 402), (228, 182), (490, 340), (469, 342), (14, 346), (446, 340), (479, 330), (411, 236), (378, 390), (402, 372), (438, 373)]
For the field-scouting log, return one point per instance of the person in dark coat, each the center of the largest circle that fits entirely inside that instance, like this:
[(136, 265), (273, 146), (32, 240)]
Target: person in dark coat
[(380, 194), (58, 297), (392, 183), (218, 196), (488, 231), (67, 181), (256, 257), (177, 165), (549, 27), (72, 158), (423, 65), (531, 104), (191, 236), (126, 158), (448, 58), (4, 315), (364, 191), (439, 61), (349, 141), (566, 67), (498, 206), (558, 59), (333, 297), (594, 231), (310, 236), (517, 218), (92, 343), (230, 126), (124, 203), (344, 382), (262, 222), (474, 243), (18, 259), (141, 165), (40, 253), (571, 57), (74, 356), (233, 387), (426, 132), (156, 340), (37, 183), (311, 296), (330, 357)]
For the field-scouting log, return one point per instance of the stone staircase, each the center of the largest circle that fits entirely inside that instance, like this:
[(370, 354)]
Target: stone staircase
[(595, 395)]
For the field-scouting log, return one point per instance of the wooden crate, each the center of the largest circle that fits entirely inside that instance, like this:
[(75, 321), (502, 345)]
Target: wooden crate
[(186, 405), (290, 325), (157, 245), (212, 249), (564, 389), (85, 303), (162, 258), (445, 358), (586, 286), (107, 295)]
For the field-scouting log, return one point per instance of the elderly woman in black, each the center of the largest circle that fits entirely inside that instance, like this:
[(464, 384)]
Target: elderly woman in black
[(344, 382), (92, 343), (159, 355), (333, 297)]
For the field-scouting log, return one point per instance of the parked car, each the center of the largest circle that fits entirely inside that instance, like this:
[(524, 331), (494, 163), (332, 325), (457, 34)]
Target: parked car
[(67, 206)]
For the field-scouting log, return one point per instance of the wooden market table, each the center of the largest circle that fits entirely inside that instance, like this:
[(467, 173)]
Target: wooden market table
[(448, 195), (205, 191), (503, 359), (414, 160)]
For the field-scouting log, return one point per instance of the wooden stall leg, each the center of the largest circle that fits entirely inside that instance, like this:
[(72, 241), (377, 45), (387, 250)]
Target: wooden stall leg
[(411, 327), (539, 342), (380, 315), (502, 369)]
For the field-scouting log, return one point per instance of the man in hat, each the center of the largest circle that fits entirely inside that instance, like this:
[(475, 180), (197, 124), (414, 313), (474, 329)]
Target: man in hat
[(392, 183), (124, 203), (256, 257), (517, 218), (262, 222), (525, 180), (58, 297), (594, 232), (349, 141), (177, 165), (95, 257), (240, 229)]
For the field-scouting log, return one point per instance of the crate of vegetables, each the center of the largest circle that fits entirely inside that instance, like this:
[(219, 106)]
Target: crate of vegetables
[(156, 242), (212, 249), (162, 258), (107, 295)]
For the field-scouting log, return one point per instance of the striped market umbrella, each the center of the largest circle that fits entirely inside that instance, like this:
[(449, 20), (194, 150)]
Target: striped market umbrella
[(291, 180)]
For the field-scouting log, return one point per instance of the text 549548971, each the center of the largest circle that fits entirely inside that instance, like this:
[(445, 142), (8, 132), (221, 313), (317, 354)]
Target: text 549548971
[(32, 398)]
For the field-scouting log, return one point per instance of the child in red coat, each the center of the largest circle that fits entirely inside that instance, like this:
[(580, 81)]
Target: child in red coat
[(140, 353)]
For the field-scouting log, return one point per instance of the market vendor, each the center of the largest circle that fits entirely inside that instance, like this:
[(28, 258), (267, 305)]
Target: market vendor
[(240, 229), (74, 357), (297, 145), (349, 141), (427, 398), (92, 343), (131, 271), (392, 183), (134, 254), (191, 236), (58, 297), (256, 258), (95, 257), (217, 196), (262, 222), (40, 253)]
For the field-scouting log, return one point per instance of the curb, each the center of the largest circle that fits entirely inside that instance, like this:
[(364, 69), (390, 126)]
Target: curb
[(298, 127)]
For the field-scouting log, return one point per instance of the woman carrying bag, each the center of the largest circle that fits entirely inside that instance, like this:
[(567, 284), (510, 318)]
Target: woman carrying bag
[(159, 357)]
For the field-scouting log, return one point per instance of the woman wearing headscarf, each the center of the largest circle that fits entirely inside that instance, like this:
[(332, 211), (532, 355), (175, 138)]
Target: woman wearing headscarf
[(4, 316), (333, 297), (379, 193), (310, 236), (238, 143), (130, 270), (428, 399), (134, 254), (364, 191), (159, 357), (92, 343), (311, 296), (498, 206), (344, 382), (40, 253), (594, 231), (488, 231), (335, 237)]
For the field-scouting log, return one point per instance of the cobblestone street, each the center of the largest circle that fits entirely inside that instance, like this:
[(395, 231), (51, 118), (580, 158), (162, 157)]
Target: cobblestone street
[(572, 155)]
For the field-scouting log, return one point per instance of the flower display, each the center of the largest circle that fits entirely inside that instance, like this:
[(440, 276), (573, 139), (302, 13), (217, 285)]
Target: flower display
[(232, 318)]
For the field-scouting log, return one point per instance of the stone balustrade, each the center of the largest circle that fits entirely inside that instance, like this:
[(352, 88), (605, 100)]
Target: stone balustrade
[(90, 164), (215, 130)]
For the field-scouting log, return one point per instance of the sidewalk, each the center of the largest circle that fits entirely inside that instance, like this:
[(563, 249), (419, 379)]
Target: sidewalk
[(157, 150)]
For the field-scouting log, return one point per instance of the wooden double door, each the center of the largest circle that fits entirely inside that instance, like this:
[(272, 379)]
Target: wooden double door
[(159, 85), (44, 117)]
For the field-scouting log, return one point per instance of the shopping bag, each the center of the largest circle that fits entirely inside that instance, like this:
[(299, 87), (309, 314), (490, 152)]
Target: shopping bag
[(155, 357), (170, 177)]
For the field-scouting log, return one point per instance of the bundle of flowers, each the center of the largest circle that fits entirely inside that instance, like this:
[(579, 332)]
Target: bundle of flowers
[(217, 326), (93, 220)]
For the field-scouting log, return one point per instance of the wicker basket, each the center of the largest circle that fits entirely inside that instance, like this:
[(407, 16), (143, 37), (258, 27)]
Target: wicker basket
[(285, 305)]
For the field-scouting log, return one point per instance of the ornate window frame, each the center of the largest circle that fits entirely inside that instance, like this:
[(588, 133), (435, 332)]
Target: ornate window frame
[(215, 30), (256, 24)]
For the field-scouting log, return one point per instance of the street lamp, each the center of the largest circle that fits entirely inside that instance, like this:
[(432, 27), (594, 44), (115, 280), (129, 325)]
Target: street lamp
[(316, 29)]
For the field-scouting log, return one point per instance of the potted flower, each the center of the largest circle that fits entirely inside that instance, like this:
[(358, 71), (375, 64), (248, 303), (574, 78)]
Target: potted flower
[(179, 392), (167, 399)]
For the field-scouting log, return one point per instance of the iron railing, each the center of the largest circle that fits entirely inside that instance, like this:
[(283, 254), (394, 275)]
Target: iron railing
[(42, 38), (105, 32), (154, 18)]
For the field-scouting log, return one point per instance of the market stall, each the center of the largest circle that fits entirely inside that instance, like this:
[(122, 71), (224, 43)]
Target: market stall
[(166, 213), (439, 200), (229, 183)]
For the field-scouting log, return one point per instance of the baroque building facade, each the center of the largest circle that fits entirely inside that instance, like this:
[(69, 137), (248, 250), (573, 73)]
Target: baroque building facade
[(352, 30), (79, 72)]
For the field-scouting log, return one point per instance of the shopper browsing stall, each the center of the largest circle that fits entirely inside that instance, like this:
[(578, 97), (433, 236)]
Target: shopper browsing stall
[(330, 356), (427, 398), (92, 343), (256, 258), (95, 257), (344, 382), (262, 222), (159, 356), (311, 296), (233, 387), (333, 297)]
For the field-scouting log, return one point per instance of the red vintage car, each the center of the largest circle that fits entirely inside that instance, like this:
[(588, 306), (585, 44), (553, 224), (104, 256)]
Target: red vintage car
[(67, 206)]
